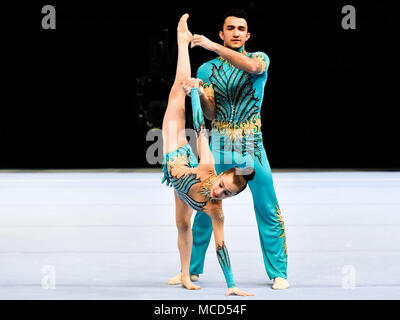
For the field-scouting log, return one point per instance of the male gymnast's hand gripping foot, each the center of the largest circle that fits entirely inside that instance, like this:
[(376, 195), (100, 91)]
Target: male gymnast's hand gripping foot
[(196, 185)]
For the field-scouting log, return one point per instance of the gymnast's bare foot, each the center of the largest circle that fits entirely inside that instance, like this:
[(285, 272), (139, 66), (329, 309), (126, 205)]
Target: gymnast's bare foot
[(189, 284), (184, 35), (280, 284), (178, 279)]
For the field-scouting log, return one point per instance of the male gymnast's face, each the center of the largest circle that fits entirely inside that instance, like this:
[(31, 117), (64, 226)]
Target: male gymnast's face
[(235, 32), (223, 187)]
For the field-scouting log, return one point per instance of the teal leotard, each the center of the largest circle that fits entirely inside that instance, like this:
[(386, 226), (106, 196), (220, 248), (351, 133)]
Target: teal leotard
[(183, 184)]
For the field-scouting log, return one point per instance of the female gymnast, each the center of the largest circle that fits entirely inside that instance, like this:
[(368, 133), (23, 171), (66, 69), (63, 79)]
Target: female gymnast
[(196, 185)]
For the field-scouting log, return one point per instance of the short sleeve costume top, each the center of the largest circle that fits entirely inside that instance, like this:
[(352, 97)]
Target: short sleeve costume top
[(238, 98)]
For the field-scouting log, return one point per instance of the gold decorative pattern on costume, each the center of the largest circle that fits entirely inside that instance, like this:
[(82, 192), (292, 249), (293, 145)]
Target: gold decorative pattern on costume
[(179, 163), (235, 131), (205, 189), (260, 57), (283, 234), (208, 90), (179, 160)]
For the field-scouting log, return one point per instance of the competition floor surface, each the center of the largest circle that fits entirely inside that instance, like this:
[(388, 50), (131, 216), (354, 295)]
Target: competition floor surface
[(112, 235)]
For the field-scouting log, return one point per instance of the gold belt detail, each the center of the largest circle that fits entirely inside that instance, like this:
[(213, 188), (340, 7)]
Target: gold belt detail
[(235, 131)]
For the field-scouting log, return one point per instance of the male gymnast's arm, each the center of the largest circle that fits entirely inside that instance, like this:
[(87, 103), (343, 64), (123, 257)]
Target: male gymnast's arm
[(255, 65)]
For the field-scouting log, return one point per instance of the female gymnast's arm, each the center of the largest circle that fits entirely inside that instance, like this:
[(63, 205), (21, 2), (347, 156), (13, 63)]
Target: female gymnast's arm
[(223, 256), (203, 147), (206, 95), (208, 105), (216, 217)]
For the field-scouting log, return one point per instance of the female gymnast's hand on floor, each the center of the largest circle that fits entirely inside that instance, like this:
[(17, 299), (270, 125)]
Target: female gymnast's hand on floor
[(192, 83), (238, 292)]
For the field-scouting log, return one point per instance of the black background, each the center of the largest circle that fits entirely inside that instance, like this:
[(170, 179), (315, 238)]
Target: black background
[(330, 100)]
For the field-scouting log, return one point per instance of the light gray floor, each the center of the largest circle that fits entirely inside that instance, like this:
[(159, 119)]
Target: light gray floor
[(111, 235)]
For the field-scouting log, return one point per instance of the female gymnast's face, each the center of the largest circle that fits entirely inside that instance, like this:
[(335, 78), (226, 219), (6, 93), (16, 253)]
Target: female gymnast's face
[(223, 187), (234, 32)]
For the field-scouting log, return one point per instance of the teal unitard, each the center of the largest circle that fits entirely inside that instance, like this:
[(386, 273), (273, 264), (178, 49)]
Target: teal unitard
[(236, 140)]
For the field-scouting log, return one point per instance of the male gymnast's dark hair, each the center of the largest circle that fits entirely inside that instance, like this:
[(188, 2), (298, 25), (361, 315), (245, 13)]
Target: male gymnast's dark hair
[(241, 176), (235, 12)]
